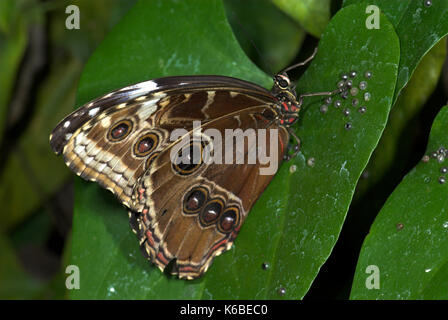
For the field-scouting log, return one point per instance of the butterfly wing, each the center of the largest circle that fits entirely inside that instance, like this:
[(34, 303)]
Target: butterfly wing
[(190, 214), (114, 139), (150, 93)]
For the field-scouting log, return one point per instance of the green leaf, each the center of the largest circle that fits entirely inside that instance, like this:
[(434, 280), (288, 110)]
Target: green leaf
[(312, 15), (393, 150), (409, 237), (320, 195), (295, 224), (419, 28)]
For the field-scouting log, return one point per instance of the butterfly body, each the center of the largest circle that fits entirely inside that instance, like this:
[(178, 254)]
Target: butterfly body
[(190, 212)]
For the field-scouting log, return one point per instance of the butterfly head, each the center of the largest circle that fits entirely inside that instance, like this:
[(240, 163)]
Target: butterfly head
[(288, 104)]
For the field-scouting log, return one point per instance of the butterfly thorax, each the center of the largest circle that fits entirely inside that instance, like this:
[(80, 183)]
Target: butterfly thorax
[(288, 106)]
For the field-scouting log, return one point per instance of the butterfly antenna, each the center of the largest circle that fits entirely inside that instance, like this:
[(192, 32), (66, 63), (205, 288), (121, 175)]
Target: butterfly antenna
[(240, 25), (300, 63)]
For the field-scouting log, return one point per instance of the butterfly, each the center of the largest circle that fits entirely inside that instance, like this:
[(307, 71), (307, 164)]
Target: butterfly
[(184, 213)]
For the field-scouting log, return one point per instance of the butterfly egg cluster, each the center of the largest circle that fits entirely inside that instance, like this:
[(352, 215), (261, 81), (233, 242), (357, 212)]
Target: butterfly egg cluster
[(439, 155), (349, 90), (281, 291), (311, 161)]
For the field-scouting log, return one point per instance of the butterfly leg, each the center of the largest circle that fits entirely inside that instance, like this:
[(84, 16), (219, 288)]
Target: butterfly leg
[(296, 147), (314, 94), (276, 119), (299, 103)]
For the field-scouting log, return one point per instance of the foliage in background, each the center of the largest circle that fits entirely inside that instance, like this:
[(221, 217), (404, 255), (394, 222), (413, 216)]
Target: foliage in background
[(31, 174), (271, 48), (409, 237), (307, 224), (271, 33), (312, 15)]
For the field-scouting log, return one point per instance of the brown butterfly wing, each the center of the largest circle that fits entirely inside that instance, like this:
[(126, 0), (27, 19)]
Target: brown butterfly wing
[(113, 139), (106, 150), (191, 216), (149, 94)]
